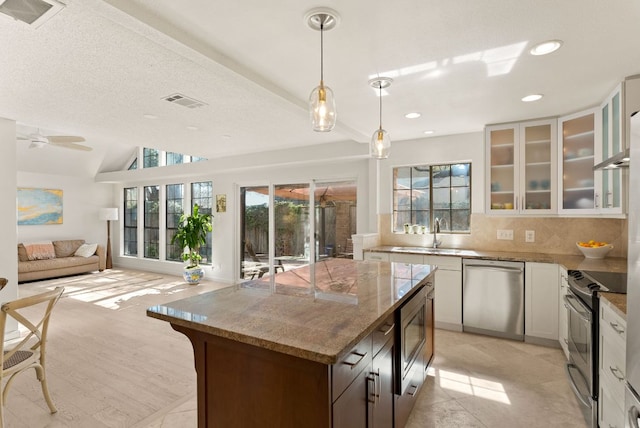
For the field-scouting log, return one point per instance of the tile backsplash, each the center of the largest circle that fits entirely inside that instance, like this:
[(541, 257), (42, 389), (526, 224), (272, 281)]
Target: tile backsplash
[(553, 235)]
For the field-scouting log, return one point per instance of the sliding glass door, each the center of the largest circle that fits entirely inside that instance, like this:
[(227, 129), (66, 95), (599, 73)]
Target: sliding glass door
[(290, 220)]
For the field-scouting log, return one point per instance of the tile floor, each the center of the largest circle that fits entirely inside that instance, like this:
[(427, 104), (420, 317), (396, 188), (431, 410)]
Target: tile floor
[(112, 366)]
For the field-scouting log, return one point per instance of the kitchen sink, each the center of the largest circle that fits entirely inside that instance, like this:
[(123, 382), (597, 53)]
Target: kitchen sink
[(428, 250)]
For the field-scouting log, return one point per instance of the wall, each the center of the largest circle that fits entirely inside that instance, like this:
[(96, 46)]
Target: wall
[(227, 178), (8, 243), (81, 200), (552, 234)]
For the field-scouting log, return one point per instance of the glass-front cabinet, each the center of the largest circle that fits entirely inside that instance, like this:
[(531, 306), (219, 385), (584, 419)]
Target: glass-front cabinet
[(577, 135), (521, 165), (612, 143)]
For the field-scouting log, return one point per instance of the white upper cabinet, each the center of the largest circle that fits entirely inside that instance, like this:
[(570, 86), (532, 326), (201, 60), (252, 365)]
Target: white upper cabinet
[(612, 143), (521, 165), (577, 136)]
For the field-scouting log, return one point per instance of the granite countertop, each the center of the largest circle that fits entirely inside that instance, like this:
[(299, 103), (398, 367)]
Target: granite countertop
[(570, 262), (318, 321), (608, 264), (616, 301)]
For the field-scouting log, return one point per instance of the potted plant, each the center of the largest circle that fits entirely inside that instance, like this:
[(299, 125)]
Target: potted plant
[(191, 235)]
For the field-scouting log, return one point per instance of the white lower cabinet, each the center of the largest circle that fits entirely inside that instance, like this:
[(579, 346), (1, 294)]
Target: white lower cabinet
[(612, 367), (448, 291), (541, 293), (448, 301), (563, 322)]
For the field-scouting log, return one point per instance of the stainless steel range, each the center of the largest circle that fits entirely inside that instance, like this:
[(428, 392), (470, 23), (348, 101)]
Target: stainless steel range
[(583, 304)]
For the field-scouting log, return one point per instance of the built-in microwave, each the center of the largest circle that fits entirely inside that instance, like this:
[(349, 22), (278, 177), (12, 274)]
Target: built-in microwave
[(411, 338)]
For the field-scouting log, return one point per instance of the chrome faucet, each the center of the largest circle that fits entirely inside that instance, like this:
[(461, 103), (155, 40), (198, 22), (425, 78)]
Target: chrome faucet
[(436, 230)]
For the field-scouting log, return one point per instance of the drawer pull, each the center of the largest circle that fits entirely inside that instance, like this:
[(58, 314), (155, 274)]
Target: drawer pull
[(616, 327), (352, 365), (615, 371), (413, 392), (389, 330)]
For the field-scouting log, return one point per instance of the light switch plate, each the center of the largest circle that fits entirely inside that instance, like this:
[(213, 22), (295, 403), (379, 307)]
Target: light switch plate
[(530, 236), (505, 234)]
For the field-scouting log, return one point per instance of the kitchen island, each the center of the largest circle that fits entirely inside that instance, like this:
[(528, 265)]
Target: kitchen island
[(287, 354)]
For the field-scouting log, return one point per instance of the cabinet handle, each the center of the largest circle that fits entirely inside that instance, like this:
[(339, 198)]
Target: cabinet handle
[(415, 389), (615, 371), (616, 327), (372, 395), (352, 365), (377, 385), (389, 330)]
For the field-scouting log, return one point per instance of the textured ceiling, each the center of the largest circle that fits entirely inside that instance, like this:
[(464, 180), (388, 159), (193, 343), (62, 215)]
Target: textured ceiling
[(97, 67)]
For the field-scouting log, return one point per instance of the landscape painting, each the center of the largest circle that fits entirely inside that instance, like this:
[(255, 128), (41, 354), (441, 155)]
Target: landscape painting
[(39, 206)]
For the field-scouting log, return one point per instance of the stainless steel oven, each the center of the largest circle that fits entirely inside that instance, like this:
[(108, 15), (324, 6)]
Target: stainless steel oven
[(580, 367), (412, 338), (583, 303)]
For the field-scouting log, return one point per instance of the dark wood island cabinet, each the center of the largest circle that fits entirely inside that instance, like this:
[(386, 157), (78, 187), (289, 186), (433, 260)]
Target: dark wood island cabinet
[(319, 347)]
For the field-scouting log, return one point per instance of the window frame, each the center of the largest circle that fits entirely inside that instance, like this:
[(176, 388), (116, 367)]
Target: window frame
[(130, 221), (431, 209)]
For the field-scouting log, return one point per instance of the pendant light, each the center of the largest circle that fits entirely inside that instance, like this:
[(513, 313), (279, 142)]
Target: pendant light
[(380, 141), (322, 105)]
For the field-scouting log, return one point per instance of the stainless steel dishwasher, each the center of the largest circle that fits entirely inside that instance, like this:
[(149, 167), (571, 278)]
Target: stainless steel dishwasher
[(493, 298)]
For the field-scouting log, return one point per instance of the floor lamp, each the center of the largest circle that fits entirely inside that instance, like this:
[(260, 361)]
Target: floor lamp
[(109, 214)]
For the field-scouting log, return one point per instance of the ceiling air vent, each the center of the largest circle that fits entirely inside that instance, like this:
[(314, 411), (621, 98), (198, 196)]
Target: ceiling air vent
[(184, 100), (32, 12)]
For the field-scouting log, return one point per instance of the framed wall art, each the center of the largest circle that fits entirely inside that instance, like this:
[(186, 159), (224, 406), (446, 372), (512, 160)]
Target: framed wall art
[(221, 203), (39, 206)]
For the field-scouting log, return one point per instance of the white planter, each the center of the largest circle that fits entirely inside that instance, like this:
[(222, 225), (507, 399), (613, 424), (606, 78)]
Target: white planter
[(193, 275)]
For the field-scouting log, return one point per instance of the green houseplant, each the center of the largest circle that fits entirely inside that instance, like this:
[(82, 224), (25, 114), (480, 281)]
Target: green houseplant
[(191, 235)]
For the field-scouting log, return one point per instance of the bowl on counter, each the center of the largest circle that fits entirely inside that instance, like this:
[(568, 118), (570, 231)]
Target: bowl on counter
[(595, 252)]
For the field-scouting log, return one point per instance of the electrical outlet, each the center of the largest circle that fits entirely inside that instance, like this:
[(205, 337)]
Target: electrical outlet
[(505, 234), (530, 236)]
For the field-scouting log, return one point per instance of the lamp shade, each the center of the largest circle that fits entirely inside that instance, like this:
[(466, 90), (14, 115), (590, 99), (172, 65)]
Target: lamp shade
[(108, 214)]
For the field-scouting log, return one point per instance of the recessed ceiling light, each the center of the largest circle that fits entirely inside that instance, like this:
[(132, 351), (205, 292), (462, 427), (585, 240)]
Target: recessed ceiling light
[(532, 97), (545, 48), (413, 115), (149, 116), (192, 128), (429, 131)]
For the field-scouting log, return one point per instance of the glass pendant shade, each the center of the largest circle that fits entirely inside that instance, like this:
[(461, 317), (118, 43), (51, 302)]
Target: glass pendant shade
[(380, 144), (322, 108)]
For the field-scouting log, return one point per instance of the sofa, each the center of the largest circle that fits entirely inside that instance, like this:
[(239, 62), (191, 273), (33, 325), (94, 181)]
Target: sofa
[(52, 259)]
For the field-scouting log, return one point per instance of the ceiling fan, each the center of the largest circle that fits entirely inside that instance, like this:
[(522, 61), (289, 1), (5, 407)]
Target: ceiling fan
[(38, 141)]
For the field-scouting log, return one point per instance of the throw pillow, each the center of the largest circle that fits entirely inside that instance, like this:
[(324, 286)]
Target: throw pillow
[(86, 250), (40, 250)]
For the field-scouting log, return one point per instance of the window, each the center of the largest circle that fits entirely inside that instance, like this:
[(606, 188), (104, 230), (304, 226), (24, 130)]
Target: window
[(202, 194), (131, 221), (151, 222), (151, 158), (197, 159), (134, 165), (424, 193), (174, 158), (175, 204)]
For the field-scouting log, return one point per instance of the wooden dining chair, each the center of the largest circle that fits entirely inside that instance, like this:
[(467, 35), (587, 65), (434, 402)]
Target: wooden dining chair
[(29, 352)]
